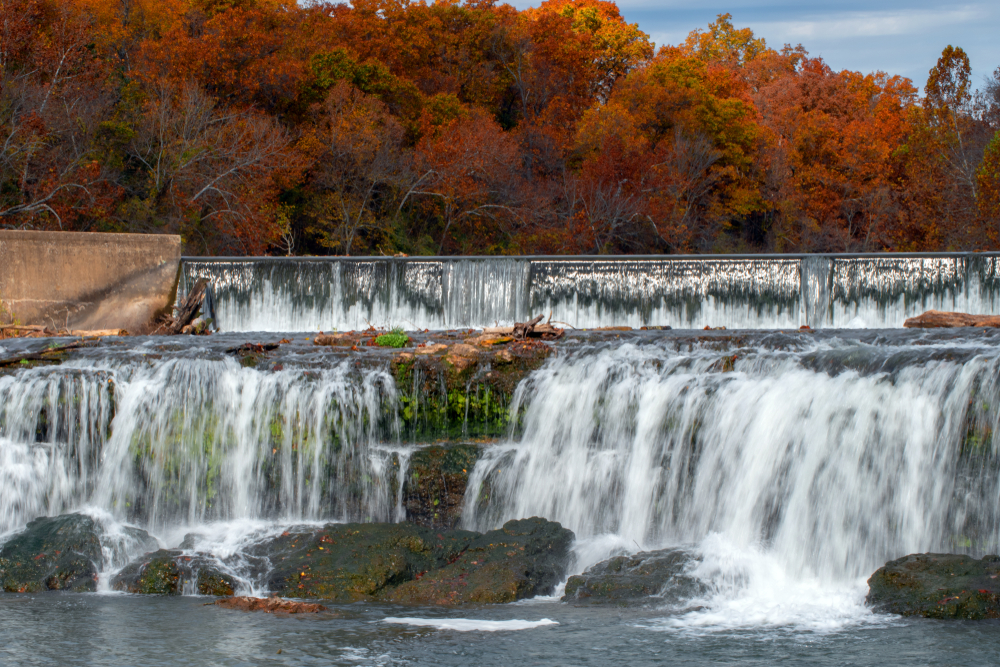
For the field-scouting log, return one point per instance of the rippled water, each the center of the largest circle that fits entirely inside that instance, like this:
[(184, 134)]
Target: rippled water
[(129, 630)]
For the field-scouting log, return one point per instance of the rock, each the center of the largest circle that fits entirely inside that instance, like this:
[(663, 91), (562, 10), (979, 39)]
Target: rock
[(413, 564), (356, 561), (937, 586), (271, 605), (335, 339), (632, 580), (52, 553), (938, 319), (458, 396), (525, 558), (169, 571), (434, 487)]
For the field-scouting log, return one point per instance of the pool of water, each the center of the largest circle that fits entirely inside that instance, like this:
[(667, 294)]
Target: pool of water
[(67, 629)]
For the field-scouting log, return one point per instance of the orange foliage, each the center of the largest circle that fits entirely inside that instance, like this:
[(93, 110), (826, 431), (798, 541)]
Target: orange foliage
[(380, 126)]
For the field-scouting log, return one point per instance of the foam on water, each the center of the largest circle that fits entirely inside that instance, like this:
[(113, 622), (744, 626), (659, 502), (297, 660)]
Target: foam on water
[(470, 624)]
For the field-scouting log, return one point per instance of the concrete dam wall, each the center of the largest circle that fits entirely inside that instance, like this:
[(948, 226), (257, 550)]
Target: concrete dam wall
[(683, 292), (79, 280)]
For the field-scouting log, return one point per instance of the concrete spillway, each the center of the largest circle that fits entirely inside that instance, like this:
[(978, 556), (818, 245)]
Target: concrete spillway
[(749, 292)]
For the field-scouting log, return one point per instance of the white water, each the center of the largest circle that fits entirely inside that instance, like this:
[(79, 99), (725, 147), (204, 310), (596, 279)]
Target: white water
[(470, 624), (792, 473), (792, 484), (194, 441), (266, 294)]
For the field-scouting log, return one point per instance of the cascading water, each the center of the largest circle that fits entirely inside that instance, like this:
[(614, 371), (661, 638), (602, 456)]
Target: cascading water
[(805, 466), (195, 440), (806, 459), (834, 291)]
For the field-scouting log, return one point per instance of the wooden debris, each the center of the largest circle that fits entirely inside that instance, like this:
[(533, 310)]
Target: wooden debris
[(187, 312), (934, 319), (269, 605), (522, 330), (20, 331), (44, 355)]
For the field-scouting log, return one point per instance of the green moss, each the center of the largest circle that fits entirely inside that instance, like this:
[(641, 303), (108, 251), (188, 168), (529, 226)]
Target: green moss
[(395, 338), (460, 398)]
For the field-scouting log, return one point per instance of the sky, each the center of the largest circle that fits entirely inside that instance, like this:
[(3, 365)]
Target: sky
[(894, 36)]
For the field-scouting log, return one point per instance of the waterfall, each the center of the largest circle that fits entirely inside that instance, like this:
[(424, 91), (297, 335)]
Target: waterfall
[(186, 440), (776, 292), (831, 457), (803, 458)]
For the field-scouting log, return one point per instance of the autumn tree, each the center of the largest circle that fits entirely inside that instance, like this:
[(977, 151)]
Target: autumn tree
[(360, 172), (52, 101), (468, 177)]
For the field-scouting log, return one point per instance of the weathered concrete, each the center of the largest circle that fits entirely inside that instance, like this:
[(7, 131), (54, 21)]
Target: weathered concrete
[(78, 280)]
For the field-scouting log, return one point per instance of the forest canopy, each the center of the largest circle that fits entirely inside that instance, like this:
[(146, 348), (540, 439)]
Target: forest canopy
[(254, 127)]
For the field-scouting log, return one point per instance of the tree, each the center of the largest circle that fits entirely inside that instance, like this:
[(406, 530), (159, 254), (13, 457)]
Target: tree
[(360, 169), (209, 173), (468, 173), (52, 100)]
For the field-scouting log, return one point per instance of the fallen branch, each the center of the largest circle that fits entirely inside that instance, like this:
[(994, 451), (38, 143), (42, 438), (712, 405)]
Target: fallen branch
[(38, 356)]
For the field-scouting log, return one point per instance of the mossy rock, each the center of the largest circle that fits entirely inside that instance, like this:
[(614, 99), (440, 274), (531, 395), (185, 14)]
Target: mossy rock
[(946, 586), (168, 571), (525, 558), (631, 580), (434, 487), (354, 561), (52, 553), (463, 391)]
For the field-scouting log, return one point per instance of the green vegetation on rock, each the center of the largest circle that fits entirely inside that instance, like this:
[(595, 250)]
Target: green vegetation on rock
[(165, 572)]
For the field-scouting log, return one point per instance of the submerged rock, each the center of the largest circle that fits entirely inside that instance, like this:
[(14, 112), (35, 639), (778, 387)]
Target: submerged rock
[(525, 558), (937, 586), (632, 580), (434, 488), (170, 572), (52, 553), (271, 605)]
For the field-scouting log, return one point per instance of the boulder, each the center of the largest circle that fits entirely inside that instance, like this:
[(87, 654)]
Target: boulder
[(414, 564), (937, 586), (632, 580), (52, 553), (355, 561), (170, 572), (525, 558)]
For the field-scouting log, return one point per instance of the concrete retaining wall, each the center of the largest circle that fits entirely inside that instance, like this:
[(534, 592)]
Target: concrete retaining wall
[(79, 280)]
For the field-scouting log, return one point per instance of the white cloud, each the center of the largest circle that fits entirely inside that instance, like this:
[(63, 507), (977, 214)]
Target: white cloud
[(868, 24)]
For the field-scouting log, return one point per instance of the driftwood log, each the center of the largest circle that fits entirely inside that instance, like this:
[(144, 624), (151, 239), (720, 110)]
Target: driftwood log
[(531, 329), (187, 312), (934, 319)]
